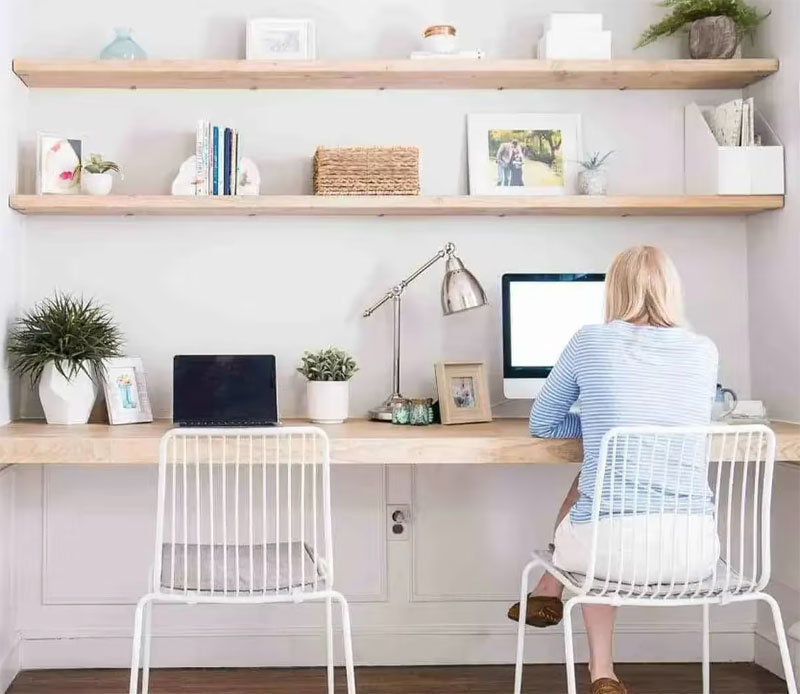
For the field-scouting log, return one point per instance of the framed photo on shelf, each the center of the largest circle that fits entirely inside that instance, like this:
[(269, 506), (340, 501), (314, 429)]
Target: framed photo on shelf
[(58, 164), (463, 392), (125, 389), (523, 153), (281, 39)]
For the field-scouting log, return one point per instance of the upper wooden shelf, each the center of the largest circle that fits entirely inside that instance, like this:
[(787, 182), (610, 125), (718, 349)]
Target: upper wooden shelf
[(395, 74), (394, 206)]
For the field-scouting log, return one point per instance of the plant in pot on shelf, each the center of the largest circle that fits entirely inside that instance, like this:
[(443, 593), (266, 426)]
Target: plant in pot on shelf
[(592, 179), (62, 344), (328, 372), (96, 175), (716, 27)]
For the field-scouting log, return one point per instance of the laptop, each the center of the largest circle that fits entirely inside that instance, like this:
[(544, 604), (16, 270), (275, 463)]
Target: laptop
[(224, 390)]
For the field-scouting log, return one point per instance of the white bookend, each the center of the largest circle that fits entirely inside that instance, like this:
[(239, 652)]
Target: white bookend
[(710, 169), (584, 45), (575, 21)]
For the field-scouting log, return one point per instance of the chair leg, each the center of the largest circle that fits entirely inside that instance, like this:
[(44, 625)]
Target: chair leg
[(329, 643), (569, 646), (783, 644), (706, 650), (348, 645), (523, 614), (148, 614), (138, 624)]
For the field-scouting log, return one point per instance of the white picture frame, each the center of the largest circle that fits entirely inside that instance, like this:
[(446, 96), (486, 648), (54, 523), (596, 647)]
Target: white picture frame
[(58, 164), (125, 388), (280, 39), (523, 137)]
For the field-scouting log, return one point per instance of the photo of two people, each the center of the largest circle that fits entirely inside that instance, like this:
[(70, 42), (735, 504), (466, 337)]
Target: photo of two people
[(526, 158)]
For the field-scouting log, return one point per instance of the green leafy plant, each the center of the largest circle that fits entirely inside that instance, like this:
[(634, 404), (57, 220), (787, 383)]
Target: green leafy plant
[(595, 161), (329, 364), (76, 334), (746, 17), (98, 165)]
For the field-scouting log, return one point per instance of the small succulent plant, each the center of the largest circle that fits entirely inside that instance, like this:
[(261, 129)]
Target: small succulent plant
[(98, 165), (595, 161), (329, 364)]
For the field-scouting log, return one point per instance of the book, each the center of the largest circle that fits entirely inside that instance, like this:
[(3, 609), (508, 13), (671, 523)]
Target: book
[(725, 122), (215, 162), (235, 181), (198, 154), (227, 178)]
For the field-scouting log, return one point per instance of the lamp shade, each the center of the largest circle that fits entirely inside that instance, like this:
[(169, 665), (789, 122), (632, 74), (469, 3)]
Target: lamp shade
[(461, 290)]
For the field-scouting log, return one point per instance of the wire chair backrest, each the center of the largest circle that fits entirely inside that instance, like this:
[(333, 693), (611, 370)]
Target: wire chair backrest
[(682, 512), (244, 512)]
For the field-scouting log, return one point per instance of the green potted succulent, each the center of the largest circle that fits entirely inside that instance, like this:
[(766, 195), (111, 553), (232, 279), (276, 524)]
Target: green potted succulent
[(592, 179), (96, 175), (62, 344), (328, 373), (716, 27)]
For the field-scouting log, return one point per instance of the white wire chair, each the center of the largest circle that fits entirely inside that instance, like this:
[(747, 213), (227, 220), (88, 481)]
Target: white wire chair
[(728, 471), (244, 517)]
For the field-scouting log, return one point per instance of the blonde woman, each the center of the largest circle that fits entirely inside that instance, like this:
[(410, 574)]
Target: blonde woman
[(641, 367)]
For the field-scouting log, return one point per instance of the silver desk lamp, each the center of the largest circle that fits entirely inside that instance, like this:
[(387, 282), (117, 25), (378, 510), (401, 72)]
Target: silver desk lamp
[(461, 291)]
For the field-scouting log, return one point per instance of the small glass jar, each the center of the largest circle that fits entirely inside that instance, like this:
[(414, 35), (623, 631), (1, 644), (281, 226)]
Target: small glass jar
[(419, 412), (401, 412)]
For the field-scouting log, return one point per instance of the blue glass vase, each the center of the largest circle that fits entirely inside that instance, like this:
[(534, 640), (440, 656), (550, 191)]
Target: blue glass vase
[(123, 47)]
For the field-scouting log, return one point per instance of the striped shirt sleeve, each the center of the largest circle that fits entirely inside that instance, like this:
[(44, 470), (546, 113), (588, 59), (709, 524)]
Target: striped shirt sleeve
[(550, 416)]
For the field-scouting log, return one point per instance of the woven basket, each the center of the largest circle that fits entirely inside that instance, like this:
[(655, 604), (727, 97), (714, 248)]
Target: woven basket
[(366, 171)]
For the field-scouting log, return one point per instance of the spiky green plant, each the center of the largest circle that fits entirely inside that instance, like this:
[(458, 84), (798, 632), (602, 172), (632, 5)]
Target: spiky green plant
[(98, 165), (329, 364), (76, 334), (595, 161), (746, 17)]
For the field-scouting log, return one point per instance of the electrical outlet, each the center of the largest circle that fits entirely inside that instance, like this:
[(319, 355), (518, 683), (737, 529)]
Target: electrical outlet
[(398, 522)]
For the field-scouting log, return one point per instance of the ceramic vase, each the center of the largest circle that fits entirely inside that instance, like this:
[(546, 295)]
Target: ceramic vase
[(713, 37), (592, 182), (123, 47), (66, 401), (328, 401), (96, 183)]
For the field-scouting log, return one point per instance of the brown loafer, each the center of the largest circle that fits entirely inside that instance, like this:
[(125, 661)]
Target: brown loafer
[(606, 685), (542, 611)]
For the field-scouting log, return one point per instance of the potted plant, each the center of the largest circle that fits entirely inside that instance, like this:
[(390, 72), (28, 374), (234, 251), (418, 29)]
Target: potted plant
[(62, 343), (96, 177), (716, 27), (328, 372), (592, 179)]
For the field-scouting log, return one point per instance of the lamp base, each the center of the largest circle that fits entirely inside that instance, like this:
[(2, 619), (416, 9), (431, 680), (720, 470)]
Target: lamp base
[(383, 412)]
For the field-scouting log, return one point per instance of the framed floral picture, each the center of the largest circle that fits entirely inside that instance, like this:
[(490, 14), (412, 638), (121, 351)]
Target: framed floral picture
[(463, 392), (125, 389), (58, 165)]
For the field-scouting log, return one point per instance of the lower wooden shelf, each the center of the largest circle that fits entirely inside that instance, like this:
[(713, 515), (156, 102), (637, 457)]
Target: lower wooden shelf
[(408, 206)]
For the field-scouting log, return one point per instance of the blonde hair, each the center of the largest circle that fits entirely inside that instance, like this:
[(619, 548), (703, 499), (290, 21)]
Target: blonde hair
[(643, 287)]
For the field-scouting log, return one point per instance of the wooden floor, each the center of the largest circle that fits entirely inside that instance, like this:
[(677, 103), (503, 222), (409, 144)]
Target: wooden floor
[(727, 678)]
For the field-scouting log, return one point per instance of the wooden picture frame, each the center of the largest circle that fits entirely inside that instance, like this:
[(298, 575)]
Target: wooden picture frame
[(463, 390), (125, 388)]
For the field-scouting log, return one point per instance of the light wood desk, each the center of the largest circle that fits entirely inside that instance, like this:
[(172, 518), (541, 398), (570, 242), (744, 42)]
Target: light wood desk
[(503, 441)]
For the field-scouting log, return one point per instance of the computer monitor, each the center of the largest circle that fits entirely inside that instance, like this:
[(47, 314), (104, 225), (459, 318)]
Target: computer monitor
[(541, 312)]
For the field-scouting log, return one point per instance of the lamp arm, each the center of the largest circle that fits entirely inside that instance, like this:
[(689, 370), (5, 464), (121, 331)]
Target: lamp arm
[(397, 290)]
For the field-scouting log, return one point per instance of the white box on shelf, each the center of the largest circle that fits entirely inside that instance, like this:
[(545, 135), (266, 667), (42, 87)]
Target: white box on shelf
[(575, 21), (585, 45), (713, 170)]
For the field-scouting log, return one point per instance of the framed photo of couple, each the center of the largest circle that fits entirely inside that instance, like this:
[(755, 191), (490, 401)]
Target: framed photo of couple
[(463, 391), (523, 153)]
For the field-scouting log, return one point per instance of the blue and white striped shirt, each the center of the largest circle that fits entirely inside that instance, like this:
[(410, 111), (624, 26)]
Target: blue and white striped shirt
[(628, 375)]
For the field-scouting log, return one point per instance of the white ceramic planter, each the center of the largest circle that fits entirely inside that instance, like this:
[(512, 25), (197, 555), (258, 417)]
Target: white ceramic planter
[(328, 401), (96, 183), (66, 401)]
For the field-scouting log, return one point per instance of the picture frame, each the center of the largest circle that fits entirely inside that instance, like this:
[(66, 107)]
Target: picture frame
[(463, 391), (523, 153), (125, 388), (58, 164), (280, 39)]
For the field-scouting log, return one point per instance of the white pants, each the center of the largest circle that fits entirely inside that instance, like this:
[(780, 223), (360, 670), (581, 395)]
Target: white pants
[(641, 549)]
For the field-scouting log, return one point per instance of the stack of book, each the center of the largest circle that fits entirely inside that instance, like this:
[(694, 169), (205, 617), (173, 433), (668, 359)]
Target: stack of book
[(217, 159)]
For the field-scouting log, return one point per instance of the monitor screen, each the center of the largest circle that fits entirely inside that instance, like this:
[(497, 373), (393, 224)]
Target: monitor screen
[(541, 312), (216, 389)]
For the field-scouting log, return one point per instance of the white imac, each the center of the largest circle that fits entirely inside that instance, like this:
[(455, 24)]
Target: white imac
[(541, 312)]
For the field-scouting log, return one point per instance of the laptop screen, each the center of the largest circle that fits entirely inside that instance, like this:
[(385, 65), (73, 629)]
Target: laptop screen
[(224, 390)]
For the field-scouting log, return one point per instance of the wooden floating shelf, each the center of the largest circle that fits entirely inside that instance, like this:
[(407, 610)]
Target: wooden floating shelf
[(395, 74), (411, 206)]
